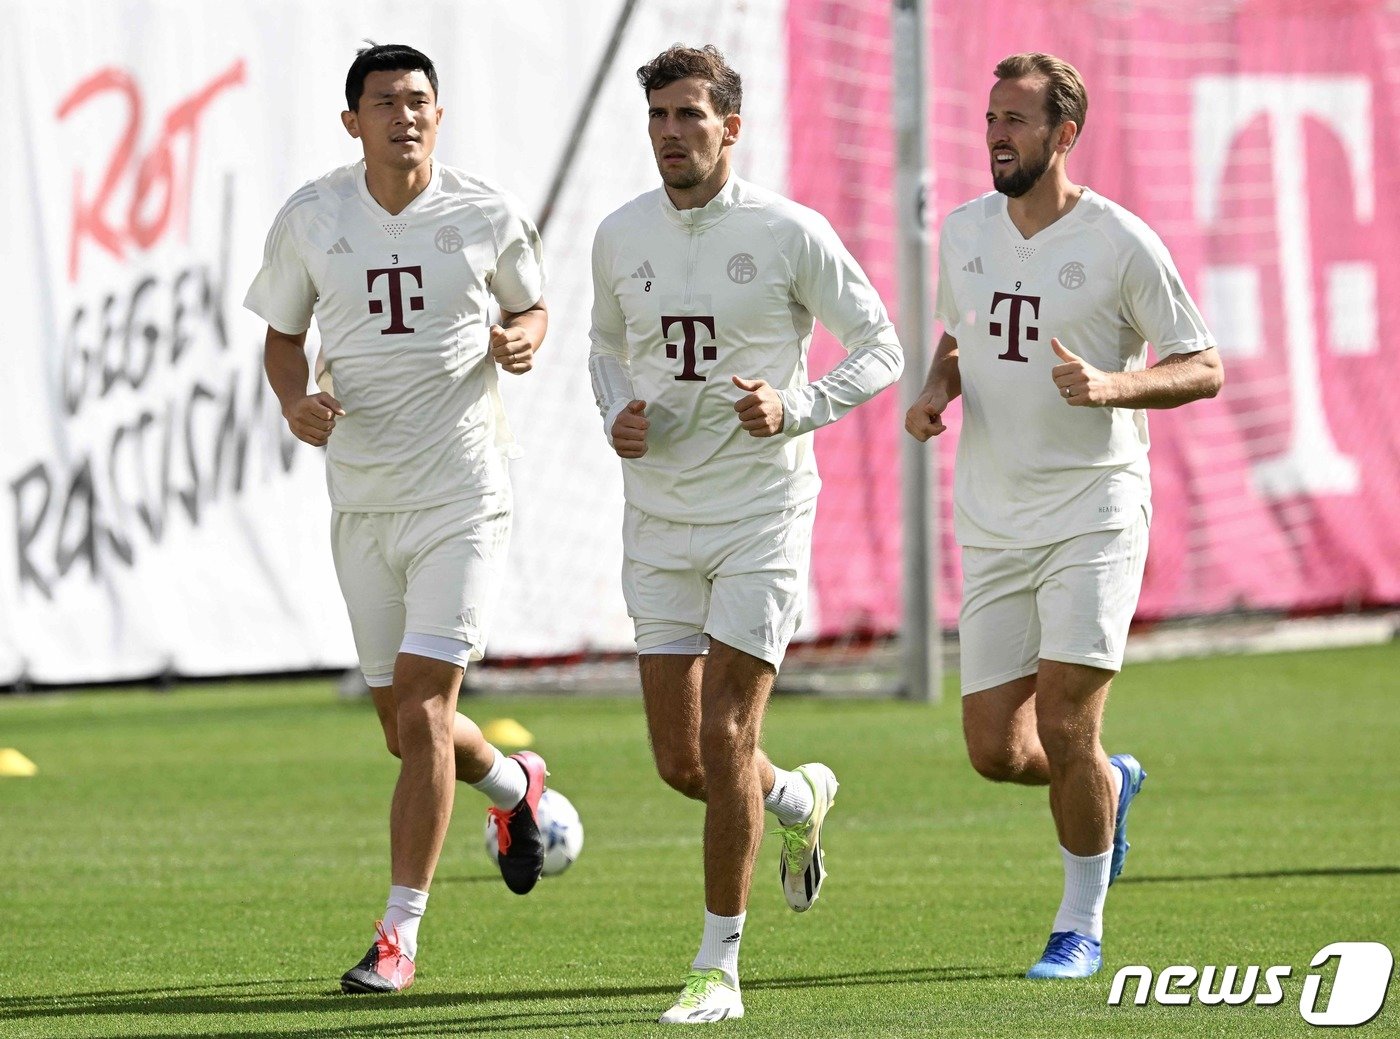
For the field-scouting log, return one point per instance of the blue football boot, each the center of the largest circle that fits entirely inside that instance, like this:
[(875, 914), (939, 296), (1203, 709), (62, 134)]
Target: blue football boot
[(1133, 776), (1068, 954)]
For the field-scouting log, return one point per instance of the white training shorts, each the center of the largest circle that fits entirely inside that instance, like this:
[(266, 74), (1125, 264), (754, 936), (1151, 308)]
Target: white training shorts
[(743, 583), (430, 571), (1071, 601)]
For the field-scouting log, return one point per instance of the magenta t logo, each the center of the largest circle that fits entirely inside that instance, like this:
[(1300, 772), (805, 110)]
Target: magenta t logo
[(396, 310), (690, 324), (1013, 333)]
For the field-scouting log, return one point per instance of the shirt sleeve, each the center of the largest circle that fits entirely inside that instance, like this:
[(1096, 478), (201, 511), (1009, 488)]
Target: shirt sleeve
[(518, 282), (1155, 300), (831, 285), (282, 293), (945, 307), (607, 353)]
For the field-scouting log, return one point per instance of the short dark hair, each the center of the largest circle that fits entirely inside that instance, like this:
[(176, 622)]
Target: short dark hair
[(707, 63), (385, 57), (1066, 98)]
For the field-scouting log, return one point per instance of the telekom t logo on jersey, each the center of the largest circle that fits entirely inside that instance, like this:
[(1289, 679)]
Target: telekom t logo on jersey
[(690, 328), (1013, 323), (395, 276)]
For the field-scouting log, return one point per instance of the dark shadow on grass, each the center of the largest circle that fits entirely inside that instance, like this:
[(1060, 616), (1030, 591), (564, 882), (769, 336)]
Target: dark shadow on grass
[(883, 977), (394, 1015), (1271, 874), (199, 1000), (132, 993), (529, 1022)]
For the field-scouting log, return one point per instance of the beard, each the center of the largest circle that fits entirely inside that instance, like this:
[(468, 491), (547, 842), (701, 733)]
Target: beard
[(682, 180), (1014, 185)]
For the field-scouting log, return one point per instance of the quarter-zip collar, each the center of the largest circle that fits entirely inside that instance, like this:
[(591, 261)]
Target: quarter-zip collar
[(708, 215)]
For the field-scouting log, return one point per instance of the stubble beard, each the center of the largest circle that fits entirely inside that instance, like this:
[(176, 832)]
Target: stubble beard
[(684, 178)]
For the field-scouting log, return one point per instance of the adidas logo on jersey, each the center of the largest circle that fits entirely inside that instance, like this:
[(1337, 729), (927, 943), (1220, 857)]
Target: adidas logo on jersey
[(644, 271), (341, 246), (975, 266)]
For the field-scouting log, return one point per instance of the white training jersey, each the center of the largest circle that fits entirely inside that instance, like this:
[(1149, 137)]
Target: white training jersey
[(1031, 470), (401, 301), (685, 299)]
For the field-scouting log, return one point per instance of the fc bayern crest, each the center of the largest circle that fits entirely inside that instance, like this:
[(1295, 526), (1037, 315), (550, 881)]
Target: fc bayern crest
[(1072, 275), (449, 239), (742, 269)]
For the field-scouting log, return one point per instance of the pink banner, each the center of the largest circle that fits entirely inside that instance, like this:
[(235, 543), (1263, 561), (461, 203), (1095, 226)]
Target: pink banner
[(1260, 141)]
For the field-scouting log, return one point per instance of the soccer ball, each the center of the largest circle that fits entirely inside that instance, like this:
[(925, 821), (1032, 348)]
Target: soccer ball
[(560, 827)]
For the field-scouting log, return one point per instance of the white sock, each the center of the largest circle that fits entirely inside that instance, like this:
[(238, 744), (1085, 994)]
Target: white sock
[(720, 946), (1086, 886), (505, 783), (791, 797), (404, 913)]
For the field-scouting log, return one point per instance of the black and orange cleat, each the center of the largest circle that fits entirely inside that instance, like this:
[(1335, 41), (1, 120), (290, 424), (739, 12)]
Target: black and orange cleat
[(384, 969), (519, 844)]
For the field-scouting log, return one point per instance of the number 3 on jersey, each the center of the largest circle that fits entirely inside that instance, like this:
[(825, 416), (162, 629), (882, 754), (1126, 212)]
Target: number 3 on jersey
[(692, 327)]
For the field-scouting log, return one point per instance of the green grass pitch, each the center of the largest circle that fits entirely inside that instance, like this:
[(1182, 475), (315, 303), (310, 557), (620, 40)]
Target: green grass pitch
[(208, 862)]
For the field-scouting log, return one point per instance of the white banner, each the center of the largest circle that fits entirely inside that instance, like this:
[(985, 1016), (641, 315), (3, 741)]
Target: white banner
[(157, 516)]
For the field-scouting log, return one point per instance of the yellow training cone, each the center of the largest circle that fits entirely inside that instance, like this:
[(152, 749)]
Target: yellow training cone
[(507, 733), (13, 763)]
